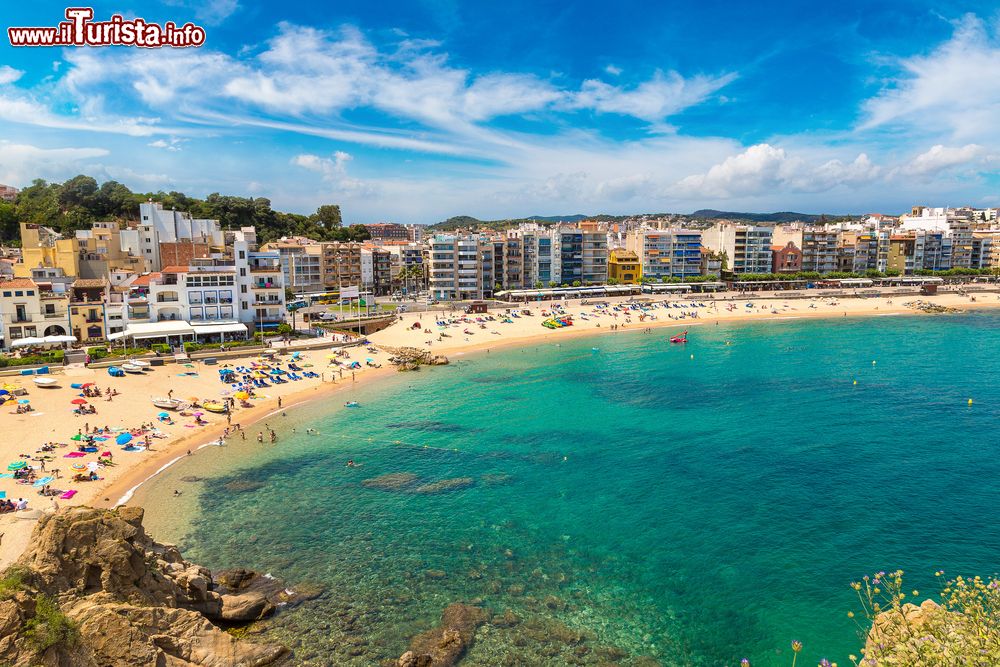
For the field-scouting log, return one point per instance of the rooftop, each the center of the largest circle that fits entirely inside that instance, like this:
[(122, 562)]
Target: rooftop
[(18, 282)]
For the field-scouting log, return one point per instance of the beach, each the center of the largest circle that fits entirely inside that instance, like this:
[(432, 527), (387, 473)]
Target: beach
[(52, 418)]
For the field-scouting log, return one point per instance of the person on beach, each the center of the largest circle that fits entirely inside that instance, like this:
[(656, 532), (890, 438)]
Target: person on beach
[(260, 437)]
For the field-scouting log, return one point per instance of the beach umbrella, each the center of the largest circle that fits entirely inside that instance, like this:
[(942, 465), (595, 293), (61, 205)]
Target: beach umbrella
[(77, 437), (163, 415), (197, 414), (86, 384), (123, 438), (17, 465), (242, 395), (79, 401), (4, 392), (105, 453), (24, 401)]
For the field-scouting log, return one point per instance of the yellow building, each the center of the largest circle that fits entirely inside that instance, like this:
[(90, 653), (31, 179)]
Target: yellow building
[(86, 309), (624, 266), (41, 247)]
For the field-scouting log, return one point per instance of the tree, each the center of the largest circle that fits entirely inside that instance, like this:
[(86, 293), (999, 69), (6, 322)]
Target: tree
[(538, 284), (577, 283), (553, 284), (328, 215), (612, 281)]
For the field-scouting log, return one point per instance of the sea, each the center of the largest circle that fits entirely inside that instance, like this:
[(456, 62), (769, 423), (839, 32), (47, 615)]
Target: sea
[(617, 499)]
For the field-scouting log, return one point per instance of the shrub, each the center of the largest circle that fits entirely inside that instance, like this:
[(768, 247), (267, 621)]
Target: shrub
[(49, 626), (11, 582)]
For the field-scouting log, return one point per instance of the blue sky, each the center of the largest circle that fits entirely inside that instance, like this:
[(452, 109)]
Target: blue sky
[(416, 111)]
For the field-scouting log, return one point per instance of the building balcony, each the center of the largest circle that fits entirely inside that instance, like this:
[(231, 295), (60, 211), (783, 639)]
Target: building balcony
[(167, 299), (265, 269), (54, 316)]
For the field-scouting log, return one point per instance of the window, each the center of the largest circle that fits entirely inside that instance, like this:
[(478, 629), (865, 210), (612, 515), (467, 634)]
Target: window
[(15, 332), (30, 331), (243, 305), (243, 290), (243, 272), (243, 255), (145, 217), (18, 292), (6, 293), (31, 292)]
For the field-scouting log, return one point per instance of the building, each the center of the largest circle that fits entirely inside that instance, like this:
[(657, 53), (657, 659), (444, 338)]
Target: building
[(624, 266), (100, 252), (820, 246), (8, 192), (43, 247), (20, 310), (666, 253), (786, 258), (562, 254), (168, 237), (460, 267), (389, 231), (747, 248), (312, 267), (87, 303)]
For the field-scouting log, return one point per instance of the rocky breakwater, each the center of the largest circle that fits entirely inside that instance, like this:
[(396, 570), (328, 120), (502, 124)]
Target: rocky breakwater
[(412, 358), (94, 590)]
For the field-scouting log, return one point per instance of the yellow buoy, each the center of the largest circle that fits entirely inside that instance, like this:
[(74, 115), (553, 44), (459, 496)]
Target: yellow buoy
[(970, 401), (855, 382)]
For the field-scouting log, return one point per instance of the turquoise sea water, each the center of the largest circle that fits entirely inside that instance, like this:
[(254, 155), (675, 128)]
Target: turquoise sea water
[(625, 502)]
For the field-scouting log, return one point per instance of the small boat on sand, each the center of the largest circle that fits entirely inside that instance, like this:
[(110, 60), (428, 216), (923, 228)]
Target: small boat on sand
[(167, 403), (46, 381), (131, 368), (213, 406), (144, 365)]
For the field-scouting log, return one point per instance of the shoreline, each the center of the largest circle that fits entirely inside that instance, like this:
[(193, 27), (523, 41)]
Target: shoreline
[(523, 332), (125, 486), (302, 398)]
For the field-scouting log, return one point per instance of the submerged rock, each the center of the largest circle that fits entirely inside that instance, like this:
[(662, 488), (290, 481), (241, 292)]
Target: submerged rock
[(446, 644), (497, 479), (119, 599), (393, 481), (445, 485)]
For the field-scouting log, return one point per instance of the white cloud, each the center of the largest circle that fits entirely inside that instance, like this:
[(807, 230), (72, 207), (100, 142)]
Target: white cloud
[(613, 71), (954, 89), (334, 173), (765, 169), (9, 75), (941, 158), (172, 145), (21, 163), (662, 96)]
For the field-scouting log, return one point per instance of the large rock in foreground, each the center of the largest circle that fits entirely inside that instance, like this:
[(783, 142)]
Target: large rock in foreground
[(93, 590)]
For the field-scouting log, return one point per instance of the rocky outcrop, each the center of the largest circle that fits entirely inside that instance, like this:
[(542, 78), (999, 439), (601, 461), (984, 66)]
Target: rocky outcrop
[(124, 599), (446, 644), (412, 358)]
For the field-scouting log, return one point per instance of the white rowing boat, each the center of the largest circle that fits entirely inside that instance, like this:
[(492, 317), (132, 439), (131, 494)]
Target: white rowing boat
[(45, 381)]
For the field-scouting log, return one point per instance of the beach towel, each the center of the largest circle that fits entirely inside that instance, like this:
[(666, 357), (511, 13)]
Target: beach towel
[(3, 494), (74, 455), (6, 475), (43, 481), (67, 495)]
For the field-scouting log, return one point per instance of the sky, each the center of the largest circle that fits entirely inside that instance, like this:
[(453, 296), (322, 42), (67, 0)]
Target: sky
[(415, 111)]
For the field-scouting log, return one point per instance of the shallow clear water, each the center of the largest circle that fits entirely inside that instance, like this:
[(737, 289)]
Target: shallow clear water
[(692, 510)]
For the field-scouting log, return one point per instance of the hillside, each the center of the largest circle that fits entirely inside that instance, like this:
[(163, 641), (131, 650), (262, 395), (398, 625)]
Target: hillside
[(782, 216), (80, 201)]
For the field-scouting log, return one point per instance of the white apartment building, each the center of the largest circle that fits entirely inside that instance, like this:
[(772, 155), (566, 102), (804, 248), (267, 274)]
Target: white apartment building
[(747, 247), (461, 267), (666, 253), (158, 225)]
